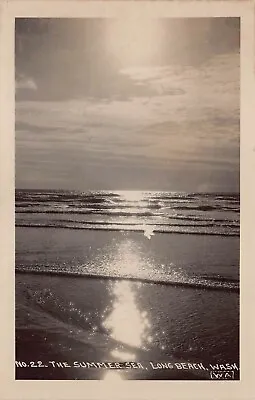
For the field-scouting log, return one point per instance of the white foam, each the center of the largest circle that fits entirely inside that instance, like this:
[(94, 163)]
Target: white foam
[(148, 231)]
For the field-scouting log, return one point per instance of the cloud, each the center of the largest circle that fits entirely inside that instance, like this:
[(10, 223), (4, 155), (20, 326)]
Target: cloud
[(73, 58), (24, 83), (179, 130), (213, 82)]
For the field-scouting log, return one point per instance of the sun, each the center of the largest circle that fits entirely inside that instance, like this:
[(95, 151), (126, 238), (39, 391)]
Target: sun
[(134, 41)]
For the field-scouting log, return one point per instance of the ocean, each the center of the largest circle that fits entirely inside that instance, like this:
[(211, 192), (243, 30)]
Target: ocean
[(151, 273)]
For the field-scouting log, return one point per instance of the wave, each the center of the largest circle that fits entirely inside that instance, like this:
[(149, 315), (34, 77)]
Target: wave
[(202, 282), (135, 228), (169, 212), (110, 209), (202, 201), (91, 211), (174, 216), (188, 223)]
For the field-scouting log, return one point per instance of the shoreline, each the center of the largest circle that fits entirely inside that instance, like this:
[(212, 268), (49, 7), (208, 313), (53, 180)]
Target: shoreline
[(84, 321), (66, 274)]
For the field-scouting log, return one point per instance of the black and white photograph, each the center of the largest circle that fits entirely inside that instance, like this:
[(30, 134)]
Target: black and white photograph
[(127, 198)]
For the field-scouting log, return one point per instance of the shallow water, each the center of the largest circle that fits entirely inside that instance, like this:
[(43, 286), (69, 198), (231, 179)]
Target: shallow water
[(103, 320), (116, 287), (206, 262)]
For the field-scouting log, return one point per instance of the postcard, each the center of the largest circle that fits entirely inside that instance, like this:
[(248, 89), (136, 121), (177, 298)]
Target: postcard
[(127, 205)]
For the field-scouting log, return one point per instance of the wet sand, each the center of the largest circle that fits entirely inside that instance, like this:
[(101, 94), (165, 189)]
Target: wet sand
[(81, 319)]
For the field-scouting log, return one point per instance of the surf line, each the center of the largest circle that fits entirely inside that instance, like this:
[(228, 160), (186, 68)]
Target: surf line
[(190, 284)]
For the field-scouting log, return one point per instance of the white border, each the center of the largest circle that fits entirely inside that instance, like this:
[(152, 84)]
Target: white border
[(235, 390)]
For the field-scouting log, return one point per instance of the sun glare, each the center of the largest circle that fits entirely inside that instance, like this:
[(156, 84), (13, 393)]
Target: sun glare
[(126, 315), (131, 195), (134, 42)]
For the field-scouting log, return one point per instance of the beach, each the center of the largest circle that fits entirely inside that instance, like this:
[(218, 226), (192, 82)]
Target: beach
[(118, 308)]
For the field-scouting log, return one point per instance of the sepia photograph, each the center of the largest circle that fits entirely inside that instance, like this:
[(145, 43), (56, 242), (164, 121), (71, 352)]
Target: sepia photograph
[(127, 198)]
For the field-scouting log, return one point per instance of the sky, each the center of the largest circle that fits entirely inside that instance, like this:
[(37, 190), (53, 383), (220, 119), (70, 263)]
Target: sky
[(117, 104)]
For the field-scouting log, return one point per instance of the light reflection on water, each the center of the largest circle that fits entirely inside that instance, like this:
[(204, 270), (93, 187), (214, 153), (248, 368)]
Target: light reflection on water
[(128, 260), (125, 321), (123, 355), (137, 199), (132, 195), (112, 376)]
